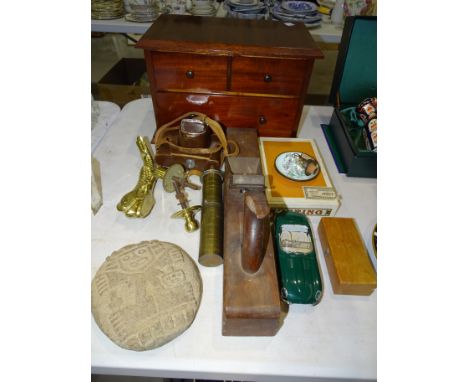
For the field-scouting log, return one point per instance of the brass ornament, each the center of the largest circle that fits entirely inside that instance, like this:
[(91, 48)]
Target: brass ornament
[(191, 224), (139, 202), (187, 212), (176, 170)]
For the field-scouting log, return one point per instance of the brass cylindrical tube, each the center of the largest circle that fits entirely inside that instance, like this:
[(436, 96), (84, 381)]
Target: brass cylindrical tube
[(211, 230)]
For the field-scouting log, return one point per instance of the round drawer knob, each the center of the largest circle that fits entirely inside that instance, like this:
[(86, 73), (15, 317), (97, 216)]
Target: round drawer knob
[(262, 120), (190, 74), (267, 78)]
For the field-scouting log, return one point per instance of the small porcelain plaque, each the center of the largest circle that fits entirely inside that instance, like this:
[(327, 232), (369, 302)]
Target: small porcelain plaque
[(297, 166)]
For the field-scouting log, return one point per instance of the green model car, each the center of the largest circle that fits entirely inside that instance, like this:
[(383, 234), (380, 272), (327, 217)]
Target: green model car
[(299, 271)]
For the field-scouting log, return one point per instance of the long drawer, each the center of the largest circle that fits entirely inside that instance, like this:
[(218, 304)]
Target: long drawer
[(268, 75), (189, 71), (271, 116)]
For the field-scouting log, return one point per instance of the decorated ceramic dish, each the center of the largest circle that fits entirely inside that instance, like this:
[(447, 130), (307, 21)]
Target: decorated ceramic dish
[(139, 19), (299, 6), (203, 10), (243, 2), (297, 166), (245, 9), (278, 12)]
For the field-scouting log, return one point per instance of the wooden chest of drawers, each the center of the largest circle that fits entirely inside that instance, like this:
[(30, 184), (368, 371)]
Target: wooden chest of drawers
[(242, 73)]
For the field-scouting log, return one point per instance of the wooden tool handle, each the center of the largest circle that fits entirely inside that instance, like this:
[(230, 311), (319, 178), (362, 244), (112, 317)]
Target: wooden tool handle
[(256, 230)]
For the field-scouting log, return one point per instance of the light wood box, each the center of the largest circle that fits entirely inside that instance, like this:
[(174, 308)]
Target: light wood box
[(349, 267)]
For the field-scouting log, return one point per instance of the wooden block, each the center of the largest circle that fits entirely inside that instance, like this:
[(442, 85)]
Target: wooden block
[(348, 263), (251, 302)]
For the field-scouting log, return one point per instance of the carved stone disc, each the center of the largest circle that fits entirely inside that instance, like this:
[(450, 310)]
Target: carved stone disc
[(146, 294)]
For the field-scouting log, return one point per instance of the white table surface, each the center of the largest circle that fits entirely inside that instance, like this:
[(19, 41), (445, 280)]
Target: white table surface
[(107, 112), (326, 33), (335, 339)]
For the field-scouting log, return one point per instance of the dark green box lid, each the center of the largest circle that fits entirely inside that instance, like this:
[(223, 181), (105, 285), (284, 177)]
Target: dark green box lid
[(355, 75)]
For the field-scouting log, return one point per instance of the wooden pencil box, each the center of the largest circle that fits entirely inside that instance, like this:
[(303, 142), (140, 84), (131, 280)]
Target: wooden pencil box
[(349, 267)]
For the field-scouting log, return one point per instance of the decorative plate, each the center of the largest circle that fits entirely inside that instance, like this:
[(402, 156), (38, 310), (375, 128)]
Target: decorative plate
[(299, 6), (247, 16), (197, 11), (246, 9), (243, 2), (135, 19), (297, 166), (284, 15)]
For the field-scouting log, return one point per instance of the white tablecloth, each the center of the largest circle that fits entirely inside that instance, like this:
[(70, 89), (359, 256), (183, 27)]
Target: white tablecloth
[(106, 112), (335, 339)]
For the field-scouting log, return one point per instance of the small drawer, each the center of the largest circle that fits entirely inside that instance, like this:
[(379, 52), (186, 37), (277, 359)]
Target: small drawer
[(268, 75), (275, 117), (181, 71)]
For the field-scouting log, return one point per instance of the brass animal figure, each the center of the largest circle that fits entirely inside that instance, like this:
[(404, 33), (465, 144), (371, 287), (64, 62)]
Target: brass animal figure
[(139, 202)]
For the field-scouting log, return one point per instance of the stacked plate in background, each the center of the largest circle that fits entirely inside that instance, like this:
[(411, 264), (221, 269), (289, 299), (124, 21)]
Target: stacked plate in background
[(293, 11), (106, 9), (246, 9), (202, 8), (143, 12)]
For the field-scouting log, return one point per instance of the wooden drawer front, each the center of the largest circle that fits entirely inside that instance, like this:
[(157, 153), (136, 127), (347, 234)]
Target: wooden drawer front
[(190, 71), (268, 76), (271, 116)]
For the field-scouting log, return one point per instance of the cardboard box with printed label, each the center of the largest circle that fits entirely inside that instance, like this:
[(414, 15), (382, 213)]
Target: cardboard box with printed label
[(314, 197)]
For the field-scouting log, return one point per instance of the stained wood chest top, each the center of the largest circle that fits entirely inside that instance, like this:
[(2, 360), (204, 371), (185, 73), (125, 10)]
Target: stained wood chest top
[(191, 34)]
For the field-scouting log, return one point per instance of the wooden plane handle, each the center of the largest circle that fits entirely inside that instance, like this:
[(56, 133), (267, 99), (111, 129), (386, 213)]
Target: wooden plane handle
[(256, 230)]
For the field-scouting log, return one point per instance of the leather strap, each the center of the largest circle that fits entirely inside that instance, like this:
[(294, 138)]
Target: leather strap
[(160, 137)]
